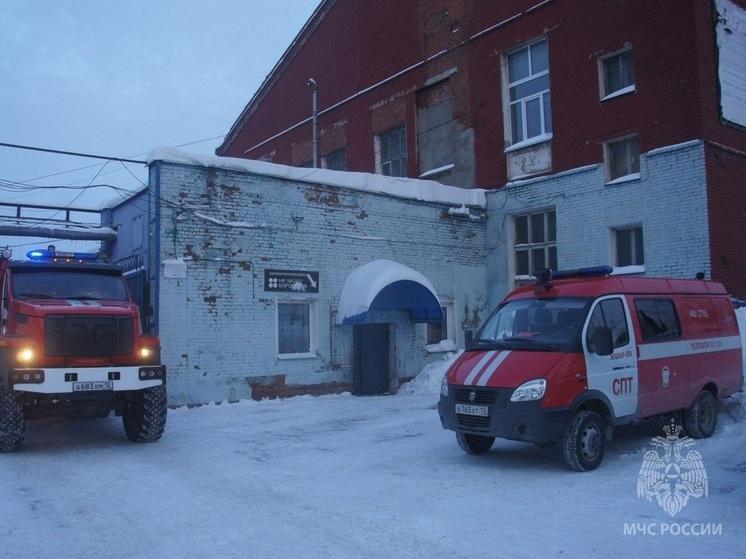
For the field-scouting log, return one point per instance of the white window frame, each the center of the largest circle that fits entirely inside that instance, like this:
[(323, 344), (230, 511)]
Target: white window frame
[(312, 328), (450, 328), (633, 251), (507, 103), (377, 148), (605, 95), (607, 161), (520, 279)]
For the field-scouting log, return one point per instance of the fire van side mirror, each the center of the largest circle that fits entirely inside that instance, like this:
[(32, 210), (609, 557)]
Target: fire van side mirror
[(603, 341)]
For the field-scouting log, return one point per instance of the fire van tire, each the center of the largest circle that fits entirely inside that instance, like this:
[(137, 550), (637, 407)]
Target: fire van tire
[(701, 418), (584, 443), (145, 416), (12, 422), (474, 444)]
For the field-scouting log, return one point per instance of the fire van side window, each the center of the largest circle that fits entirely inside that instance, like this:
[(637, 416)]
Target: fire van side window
[(610, 314), (658, 319)]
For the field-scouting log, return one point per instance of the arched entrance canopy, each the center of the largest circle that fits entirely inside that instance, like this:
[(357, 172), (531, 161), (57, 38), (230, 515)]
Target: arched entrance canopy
[(387, 285)]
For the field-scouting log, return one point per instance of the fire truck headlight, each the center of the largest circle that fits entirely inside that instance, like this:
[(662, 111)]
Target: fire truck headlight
[(146, 353), (531, 390), (25, 356), (444, 386)]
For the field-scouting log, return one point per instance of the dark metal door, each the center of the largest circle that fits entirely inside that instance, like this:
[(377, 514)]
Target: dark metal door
[(371, 366)]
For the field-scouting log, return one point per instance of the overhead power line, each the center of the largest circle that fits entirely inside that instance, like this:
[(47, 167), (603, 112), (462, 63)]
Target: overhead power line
[(73, 153)]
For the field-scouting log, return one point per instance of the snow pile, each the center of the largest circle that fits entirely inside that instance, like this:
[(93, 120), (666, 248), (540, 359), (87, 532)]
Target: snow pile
[(429, 379), (367, 281), (415, 189)]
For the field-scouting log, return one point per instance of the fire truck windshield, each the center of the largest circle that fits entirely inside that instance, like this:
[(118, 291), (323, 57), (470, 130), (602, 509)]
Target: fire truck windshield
[(68, 285), (536, 324)]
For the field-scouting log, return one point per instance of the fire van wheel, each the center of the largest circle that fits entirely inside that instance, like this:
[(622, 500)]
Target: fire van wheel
[(145, 416), (474, 444), (12, 423), (584, 443), (701, 419)]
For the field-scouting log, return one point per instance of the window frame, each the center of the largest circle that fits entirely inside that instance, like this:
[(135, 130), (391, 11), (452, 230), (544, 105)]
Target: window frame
[(530, 246), (604, 93), (325, 159), (599, 306), (633, 229), (545, 134), (635, 175), (450, 322), (312, 329), (378, 149)]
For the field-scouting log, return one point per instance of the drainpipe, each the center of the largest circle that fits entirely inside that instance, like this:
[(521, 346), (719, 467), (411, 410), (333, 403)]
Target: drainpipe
[(315, 112)]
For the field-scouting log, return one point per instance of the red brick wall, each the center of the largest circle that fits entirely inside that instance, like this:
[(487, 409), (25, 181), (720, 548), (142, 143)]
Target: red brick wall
[(361, 42)]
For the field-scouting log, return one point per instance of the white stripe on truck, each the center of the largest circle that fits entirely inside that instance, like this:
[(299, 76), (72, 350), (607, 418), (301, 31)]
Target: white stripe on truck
[(661, 350), (485, 378), (478, 367)]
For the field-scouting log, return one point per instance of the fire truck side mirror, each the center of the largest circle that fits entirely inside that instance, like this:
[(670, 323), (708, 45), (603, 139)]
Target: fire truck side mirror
[(603, 341)]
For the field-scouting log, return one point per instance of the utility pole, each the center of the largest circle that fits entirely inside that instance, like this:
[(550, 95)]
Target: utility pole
[(315, 112)]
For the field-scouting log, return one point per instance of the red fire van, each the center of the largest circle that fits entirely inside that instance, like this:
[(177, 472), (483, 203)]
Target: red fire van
[(568, 359)]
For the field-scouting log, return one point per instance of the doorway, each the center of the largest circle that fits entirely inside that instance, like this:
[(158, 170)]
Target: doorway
[(370, 345)]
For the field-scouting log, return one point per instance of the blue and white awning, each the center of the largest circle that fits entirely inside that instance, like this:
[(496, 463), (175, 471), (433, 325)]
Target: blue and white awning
[(387, 285)]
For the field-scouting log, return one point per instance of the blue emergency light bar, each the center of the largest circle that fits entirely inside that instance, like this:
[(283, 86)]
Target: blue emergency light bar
[(44, 255), (543, 277)]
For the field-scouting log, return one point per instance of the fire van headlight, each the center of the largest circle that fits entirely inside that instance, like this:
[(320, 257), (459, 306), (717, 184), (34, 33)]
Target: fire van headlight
[(149, 355), (531, 390), (444, 386), (25, 355)]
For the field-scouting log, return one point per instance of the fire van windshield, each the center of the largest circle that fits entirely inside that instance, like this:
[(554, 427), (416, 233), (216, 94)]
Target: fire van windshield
[(536, 325), (68, 285)]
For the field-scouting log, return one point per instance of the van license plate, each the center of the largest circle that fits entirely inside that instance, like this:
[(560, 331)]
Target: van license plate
[(93, 386), (467, 409)]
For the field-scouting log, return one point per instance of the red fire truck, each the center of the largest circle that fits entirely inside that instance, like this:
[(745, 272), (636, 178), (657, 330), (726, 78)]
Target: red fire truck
[(581, 352), (71, 343)]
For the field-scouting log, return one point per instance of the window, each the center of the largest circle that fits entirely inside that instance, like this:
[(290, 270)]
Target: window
[(294, 329), (336, 160), (609, 314), (535, 243), (391, 153), (618, 74), (623, 159), (657, 319), (438, 331), (629, 247), (528, 92)]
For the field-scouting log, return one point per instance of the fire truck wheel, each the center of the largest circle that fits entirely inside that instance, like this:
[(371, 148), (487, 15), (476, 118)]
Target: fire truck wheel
[(145, 416), (12, 423), (701, 419), (474, 444), (584, 443)]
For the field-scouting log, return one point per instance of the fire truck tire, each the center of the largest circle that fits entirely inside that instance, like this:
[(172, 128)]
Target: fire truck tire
[(145, 416), (701, 419), (12, 423), (474, 444), (584, 443)]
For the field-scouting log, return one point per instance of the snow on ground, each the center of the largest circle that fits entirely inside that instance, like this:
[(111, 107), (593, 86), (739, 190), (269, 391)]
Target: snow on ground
[(340, 476)]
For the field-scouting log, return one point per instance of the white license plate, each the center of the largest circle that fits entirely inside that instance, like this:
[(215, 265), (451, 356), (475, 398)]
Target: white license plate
[(93, 386), (467, 409)]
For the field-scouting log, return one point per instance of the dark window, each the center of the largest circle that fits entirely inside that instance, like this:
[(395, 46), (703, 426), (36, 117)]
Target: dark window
[(68, 285), (393, 153), (535, 242), (623, 158), (336, 160), (609, 314), (619, 72), (294, 328), (629, 247), (657, 319), (528, 91), (438, 331)]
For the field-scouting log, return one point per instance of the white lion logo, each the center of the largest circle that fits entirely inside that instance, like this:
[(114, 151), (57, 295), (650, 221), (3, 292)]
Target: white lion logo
[(672, 478)]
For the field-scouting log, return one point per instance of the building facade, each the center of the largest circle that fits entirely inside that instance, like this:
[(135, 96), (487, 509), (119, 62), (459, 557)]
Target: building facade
[(492, 93)]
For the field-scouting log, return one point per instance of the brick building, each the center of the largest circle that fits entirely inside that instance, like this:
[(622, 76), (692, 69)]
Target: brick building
[(490, 94)]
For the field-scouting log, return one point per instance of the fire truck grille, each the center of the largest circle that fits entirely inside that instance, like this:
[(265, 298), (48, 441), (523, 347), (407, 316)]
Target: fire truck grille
[(480, 396), (88, 336), (473, 423)]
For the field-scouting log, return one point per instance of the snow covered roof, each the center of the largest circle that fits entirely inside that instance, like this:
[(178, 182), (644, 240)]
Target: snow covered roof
[(414, 189), (370, 280)]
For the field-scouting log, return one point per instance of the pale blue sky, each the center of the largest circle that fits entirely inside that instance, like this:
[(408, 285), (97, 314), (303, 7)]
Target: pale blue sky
[(120, 78)]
